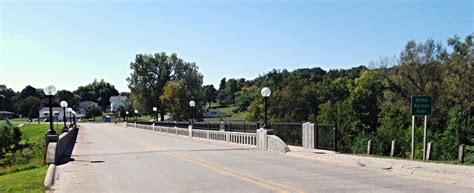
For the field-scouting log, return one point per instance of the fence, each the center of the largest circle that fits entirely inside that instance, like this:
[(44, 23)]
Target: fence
[(290, 133), (326, 136)]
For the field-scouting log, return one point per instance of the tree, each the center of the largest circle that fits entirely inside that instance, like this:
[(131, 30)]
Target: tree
[(177, 95), (97, 91), (151, 73), (231, 88), (221, 94), (7, 97), (28, 91), (211, 94), (92, 112), (69, 97), (27, 106)]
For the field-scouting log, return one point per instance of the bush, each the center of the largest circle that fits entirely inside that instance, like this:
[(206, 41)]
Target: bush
[(9, 139)]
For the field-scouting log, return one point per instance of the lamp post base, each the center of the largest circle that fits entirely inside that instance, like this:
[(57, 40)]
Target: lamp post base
[(65, 129)]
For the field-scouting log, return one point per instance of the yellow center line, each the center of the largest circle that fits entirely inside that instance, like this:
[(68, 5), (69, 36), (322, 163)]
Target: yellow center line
[(223, 170)]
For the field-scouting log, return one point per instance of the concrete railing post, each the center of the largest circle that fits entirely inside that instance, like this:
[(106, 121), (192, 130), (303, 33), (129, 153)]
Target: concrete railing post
[(227, 137), (153, 126), (190, 130), (308, 135), (207, 135), (369, 147), (222, 126), (304, 140), (428, 150), (461, 153), (262, 140), (392, 149)]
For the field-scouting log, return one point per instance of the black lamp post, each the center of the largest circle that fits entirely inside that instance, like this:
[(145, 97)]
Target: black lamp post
[(126, 116), (50, 91), (64, 106), (155, 114), (192, 104), (266, 92), (136, 114)]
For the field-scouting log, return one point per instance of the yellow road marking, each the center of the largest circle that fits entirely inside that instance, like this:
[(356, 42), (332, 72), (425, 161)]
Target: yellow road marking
[(252, 179)]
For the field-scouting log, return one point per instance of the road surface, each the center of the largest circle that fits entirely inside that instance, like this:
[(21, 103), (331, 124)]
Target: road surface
[(114, 158)]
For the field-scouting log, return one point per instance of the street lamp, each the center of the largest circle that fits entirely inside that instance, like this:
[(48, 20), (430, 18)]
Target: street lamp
[(126, 116), (136, 114), (265, 92), (192, 104), (155, 110), (70, 115), (50, 91), (64, 105)]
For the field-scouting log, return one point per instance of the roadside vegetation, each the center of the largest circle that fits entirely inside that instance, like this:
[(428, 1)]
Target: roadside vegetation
[(22, 167)]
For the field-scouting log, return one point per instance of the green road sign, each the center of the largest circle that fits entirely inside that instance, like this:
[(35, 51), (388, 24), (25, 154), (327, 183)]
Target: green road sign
[(421, 105)]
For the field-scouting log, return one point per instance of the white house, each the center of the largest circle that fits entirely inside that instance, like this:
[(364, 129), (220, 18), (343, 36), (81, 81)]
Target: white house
[(57, 113), (116, 101)]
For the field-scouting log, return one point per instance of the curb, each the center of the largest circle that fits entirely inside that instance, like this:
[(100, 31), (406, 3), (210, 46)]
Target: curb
[(393, 167), (49, 179)]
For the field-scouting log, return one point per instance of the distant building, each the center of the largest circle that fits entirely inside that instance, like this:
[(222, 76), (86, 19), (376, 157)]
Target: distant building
[(81, 109), (211, 113), (6, 114), (57, 113), (117, 101)]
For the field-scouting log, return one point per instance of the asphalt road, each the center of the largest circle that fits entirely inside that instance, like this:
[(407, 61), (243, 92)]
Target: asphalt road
[(113, 158)]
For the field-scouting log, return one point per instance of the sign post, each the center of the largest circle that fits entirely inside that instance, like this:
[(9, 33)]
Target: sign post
[(420, 105)]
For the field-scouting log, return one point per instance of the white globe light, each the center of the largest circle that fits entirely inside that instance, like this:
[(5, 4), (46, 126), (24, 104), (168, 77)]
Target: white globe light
[(126, 112), (50, 90), (192, 103), (265, 92), (63, 104), (136, 111), (155, 109)]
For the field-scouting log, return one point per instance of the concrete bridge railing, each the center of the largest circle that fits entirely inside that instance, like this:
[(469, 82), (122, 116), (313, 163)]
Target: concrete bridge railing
[(260, 140), (61, 147)]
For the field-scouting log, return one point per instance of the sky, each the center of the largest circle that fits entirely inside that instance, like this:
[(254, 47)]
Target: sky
[(71, 43)]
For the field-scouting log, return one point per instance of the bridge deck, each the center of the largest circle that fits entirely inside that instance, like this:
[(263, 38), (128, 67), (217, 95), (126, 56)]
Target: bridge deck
[(113, 158)]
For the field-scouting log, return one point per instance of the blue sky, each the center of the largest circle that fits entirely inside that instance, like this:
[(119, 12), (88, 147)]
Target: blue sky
[(69, 43)]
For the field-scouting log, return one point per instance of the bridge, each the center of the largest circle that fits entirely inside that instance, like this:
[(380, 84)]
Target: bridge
[(147, 158)]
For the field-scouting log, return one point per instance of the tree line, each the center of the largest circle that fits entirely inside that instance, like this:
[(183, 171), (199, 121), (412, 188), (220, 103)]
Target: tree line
[(30, 100)]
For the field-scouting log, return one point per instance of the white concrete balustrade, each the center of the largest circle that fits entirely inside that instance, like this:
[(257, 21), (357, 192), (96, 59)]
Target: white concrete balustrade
[(231, 137)]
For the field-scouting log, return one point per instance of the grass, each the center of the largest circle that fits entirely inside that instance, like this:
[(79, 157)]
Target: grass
[(227, 113), (33, 136), (28, 171), (24, 181)]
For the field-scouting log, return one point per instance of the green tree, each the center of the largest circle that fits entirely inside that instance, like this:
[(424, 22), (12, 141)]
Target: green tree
[(7, 98), (221, 94), (231, 88), (97, 91), (92, 112), (210, 94), (72, 99), (27, 105)]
